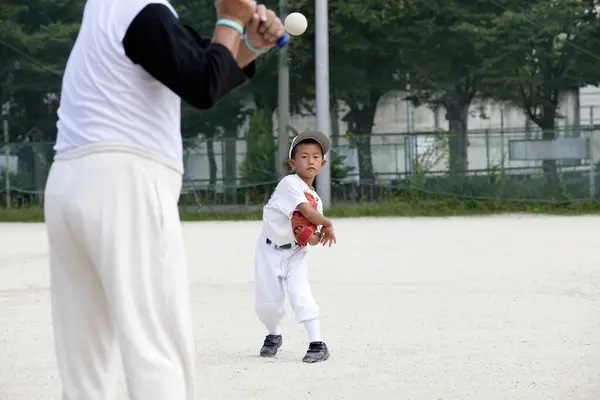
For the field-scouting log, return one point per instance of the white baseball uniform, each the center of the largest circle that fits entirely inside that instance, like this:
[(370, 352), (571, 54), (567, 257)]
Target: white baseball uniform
[(275, 265), (117, 262)]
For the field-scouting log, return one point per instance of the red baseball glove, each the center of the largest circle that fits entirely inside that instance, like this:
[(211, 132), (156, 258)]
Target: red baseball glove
[(305, 228)]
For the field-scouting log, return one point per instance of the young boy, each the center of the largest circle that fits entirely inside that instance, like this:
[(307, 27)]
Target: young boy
[(278, 257)]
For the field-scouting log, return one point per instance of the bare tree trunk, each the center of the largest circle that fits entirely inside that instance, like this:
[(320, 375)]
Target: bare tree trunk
[(361, 121), (457, 114), (549, 133), (41, 166), (230, 166), (335, 127), (212, 162)]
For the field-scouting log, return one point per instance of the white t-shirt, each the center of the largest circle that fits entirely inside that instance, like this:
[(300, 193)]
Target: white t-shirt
[(277, 213), (106, 97)]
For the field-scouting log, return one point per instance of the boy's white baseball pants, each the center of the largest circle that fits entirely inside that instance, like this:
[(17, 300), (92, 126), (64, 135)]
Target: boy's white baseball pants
[(118, 274), (273, 267)]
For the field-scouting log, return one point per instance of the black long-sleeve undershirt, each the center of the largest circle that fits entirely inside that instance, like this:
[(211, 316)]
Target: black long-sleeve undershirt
[(194, 68)]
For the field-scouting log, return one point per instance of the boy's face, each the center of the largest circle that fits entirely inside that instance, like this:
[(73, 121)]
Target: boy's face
[(308, 160)]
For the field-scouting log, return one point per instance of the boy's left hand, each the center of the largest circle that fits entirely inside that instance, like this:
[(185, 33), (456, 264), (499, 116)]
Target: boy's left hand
[(328, 236)]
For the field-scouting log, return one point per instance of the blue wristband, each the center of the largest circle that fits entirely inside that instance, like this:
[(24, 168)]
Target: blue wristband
[(252, 48), (231, 24)]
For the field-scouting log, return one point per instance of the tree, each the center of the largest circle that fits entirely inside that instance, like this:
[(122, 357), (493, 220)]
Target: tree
[(11, 36), (35, 41), (47, 30), (258, 172), (445, 43), (230, 113), (221, 122), (366, 64), (544, 48)]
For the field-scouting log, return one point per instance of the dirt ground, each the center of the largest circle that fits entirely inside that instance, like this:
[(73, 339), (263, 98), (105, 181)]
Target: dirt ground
[(490, 308)]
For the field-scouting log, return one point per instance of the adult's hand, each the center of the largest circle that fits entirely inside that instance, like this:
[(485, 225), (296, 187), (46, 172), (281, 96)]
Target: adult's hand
[(265, 29), (240, 11)]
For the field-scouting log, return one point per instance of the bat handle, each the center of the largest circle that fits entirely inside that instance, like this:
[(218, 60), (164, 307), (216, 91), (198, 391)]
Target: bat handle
[(283, 41)]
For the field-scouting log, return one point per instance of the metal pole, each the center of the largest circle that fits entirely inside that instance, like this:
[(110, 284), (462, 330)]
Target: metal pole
[(409, 161), (592, 174), (283, 107), (502, 141), (6, 163), (322, 92), (487, 150)]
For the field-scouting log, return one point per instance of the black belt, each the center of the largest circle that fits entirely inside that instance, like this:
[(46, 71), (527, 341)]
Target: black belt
[(283, 246)]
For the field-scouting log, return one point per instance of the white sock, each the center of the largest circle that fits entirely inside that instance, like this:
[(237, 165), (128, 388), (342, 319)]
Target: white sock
[(313, 330), (274, 330)]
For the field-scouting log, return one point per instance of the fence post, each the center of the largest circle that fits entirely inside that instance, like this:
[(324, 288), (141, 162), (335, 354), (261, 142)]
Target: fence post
[(487, 149), (502, 141), (592, 173), (396, 157), (6, 163)]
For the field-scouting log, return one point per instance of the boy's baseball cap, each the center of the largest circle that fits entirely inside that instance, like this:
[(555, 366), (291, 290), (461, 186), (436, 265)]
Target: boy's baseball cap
[(315, 135)]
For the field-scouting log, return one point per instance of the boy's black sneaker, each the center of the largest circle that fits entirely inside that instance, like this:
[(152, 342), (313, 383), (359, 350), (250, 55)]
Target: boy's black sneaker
[(317, 352), (271, 345)]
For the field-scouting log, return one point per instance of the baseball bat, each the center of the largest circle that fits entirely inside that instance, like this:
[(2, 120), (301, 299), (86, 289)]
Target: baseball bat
[(283, 41)]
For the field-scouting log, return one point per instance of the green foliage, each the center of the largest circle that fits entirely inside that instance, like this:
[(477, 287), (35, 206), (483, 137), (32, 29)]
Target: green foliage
[(258, 173), (262, 89), (35, 40), (231, 111), (445, 45), (542, 48), (365, 62), (364, 50), (339, 169), (524, 53), (228, 115), (11, 37)]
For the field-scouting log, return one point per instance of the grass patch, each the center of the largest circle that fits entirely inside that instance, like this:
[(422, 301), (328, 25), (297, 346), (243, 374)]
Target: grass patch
[(443, 208), (28, 214), (214, 215), (453, 207)]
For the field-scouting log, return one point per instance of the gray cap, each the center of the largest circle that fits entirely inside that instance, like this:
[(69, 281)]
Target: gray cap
[(315, 135)]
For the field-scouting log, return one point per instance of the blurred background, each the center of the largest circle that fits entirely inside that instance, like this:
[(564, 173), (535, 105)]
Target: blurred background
[(485, 99)]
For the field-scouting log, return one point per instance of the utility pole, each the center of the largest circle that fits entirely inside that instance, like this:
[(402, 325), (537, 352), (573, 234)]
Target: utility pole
[(4, 112), (283, 103), (322, 93), (6, 159)]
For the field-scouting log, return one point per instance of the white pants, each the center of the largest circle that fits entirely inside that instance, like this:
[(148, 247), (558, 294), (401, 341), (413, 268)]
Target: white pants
[(273, 267), (118, 275)]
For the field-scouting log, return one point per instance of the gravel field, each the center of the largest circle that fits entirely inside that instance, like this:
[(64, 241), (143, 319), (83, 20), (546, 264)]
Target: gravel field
[(490, 308)]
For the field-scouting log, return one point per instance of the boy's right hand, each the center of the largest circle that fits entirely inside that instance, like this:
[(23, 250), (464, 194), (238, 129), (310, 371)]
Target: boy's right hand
[(328, 235), (240, 11)]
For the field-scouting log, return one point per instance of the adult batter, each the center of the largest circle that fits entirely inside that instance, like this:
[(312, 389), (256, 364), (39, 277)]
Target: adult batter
[(118, 272)]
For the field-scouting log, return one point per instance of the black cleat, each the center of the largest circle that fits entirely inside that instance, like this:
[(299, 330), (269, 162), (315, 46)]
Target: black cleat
[(317, 352), (271, 345)]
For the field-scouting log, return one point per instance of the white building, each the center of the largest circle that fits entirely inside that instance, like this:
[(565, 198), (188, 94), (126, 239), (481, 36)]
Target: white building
[(394, 115)]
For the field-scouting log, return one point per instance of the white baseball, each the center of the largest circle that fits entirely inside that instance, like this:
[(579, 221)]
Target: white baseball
[(295, 24)]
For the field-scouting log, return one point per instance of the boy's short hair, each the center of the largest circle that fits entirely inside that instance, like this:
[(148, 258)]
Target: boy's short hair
[(310, 137), (305, 141)]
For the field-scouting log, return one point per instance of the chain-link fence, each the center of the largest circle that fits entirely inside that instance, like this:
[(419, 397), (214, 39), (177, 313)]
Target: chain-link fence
[(436, 99), (225, 171)]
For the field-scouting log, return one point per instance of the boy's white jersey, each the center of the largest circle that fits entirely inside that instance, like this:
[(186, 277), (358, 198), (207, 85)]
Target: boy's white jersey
[(277, 213)]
